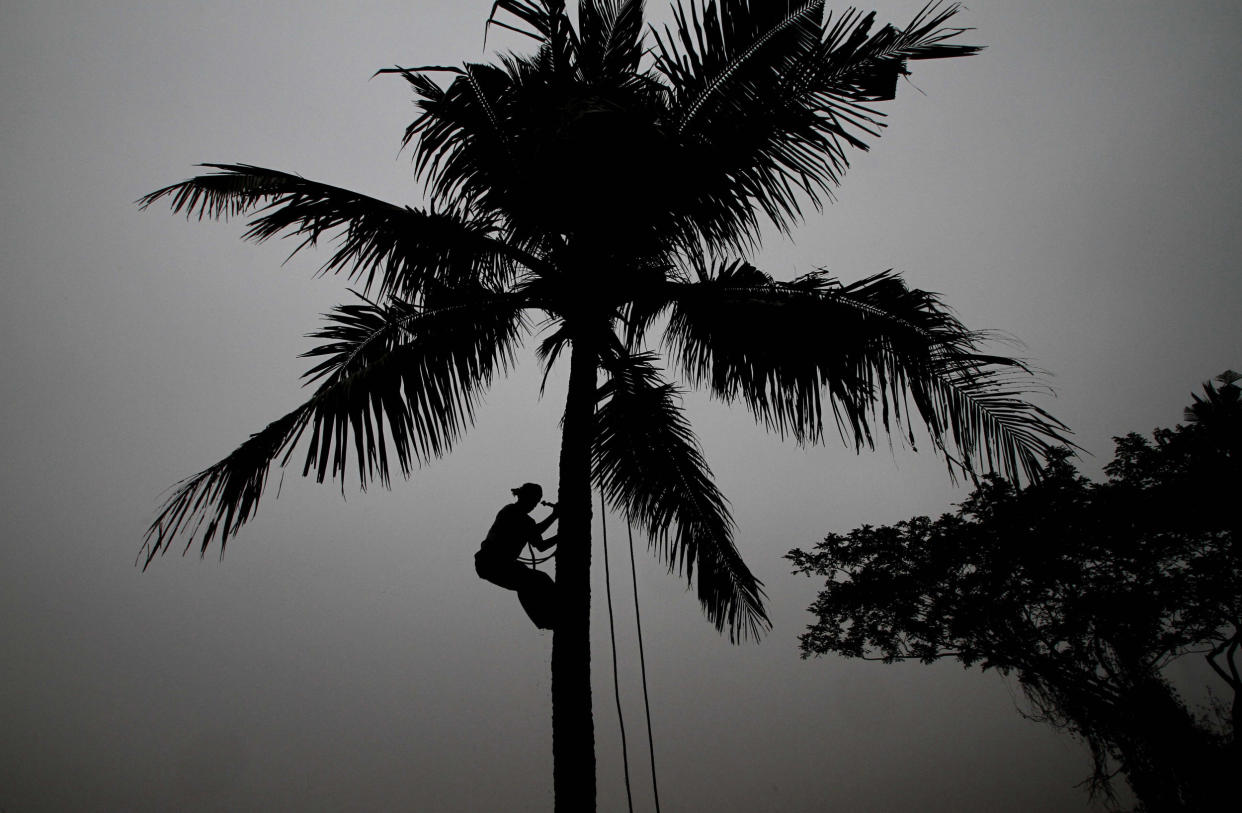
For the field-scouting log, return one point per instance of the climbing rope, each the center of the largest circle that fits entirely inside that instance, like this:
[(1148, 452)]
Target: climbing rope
[(533, 561), (612, 634), (642, 663), (642, 659)]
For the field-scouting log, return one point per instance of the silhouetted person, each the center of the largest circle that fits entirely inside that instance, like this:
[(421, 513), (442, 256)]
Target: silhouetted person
[(498, 560)]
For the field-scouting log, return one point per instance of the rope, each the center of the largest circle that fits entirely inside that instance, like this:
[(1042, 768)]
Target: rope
[(616, 679), (642, 661), (532, 561)]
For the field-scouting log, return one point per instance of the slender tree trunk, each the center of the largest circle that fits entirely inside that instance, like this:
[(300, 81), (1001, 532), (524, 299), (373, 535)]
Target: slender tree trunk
[(573, 727)]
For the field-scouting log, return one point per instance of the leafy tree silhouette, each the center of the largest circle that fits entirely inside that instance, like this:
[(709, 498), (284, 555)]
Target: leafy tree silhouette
[(1084, 591), (605, 187)]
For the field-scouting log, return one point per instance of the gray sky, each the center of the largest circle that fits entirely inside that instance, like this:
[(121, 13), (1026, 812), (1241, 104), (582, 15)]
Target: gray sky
[(1076, 185)]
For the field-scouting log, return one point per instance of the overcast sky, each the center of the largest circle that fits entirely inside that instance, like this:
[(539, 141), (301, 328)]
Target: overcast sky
[(1076, 185)]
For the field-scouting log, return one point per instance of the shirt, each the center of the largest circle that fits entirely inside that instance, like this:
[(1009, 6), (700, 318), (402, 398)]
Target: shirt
[(510, 532)]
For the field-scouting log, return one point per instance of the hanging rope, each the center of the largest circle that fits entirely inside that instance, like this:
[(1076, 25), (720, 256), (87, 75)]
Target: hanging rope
[(642, 662), (616, 679)]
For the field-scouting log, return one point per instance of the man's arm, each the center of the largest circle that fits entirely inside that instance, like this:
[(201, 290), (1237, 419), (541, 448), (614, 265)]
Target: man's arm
[(538, 541)]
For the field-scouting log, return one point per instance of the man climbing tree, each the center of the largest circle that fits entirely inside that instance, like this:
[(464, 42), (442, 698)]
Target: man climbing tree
[(498, 560), (607, 191)]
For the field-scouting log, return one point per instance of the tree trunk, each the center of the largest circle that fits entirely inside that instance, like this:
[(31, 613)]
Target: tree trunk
[(573, 727), (1170, 762)]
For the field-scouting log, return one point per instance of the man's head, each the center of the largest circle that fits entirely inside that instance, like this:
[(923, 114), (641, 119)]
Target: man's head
[(528, 495)]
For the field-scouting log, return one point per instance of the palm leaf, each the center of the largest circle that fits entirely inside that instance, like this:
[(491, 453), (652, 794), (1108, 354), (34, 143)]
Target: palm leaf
[(544, 21), (401, 378), (472, 75), (611, 38), (467, 139), (648, 464), (396, 249), (537, 15), (978, 402), (873, 354), (769, 98), (732, 41)]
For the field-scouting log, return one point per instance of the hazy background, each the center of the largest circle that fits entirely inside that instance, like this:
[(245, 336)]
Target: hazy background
[(1076, 185)]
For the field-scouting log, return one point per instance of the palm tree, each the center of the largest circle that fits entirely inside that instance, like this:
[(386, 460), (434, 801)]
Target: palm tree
[(606, 190)]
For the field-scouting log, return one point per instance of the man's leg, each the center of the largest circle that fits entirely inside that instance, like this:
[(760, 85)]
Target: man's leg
[(538, 598), (535, 589), (509, 575)]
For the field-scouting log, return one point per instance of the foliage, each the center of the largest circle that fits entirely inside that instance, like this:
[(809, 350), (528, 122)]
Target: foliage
[(1085, 591), (600, 187)]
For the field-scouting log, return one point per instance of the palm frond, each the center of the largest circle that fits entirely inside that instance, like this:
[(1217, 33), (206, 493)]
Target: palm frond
[(223, 497), (393, 248), (732, 42), (463, 136), (611, 34), (873, 354), (421, 368), (648, 464), (402, 378), (511, 141), (536, 15), (979, 403), (769, 98), (545, 22)]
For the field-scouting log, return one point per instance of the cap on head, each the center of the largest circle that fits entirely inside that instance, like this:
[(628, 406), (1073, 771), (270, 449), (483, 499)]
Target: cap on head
[(528, 489)]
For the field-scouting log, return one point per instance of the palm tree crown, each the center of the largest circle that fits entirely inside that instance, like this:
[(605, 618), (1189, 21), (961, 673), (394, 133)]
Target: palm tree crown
[(607, 189)]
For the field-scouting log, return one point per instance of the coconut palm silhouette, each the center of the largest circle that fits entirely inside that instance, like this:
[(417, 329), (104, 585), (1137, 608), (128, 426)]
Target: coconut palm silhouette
[(601, 194)]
